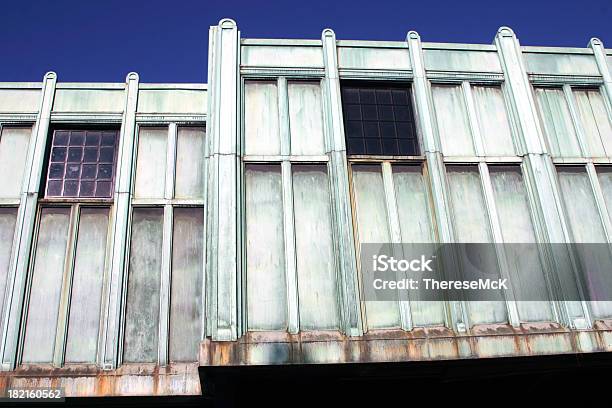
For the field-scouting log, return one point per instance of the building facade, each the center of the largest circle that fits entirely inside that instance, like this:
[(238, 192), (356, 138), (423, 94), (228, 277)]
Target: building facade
[(152, 231)]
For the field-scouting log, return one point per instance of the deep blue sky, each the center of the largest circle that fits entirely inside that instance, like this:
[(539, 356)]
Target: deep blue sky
[(167, 41)]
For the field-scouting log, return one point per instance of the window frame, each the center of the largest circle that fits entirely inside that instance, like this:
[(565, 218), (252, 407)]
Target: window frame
[(61, 335), (47, 163), (285, 160), (576, 121), (477, 138), (386, 163), (168, 203), (388, 84)]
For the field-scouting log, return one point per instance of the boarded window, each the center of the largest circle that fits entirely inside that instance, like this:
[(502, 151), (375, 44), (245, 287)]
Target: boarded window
[(186, 287), (314, 248), (189, 163), (266, 288), (379, 120), (47, 277), (8, 217), (87, 279), (63, 268), (82, 164), (414, 215), (13, 153), (472, 225), (525, 268), (604, 174), (151, 163), (493, 120), (595, 121), (261, 124), (557, 122), (142, 315), (306, 118), (584, 219), (372, 225), (453, 123)]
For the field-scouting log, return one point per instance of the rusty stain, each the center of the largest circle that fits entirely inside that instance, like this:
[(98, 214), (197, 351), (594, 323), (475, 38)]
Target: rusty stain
[(88, 380), (420, 344), (397, 345)]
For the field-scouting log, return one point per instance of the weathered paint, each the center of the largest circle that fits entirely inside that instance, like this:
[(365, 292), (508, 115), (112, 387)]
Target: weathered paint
[(128, 380), (88, 100), (300, 134), (560, 64), (420, 344), (19, 100), (281, 56), (172, 101), (373, 58), (461, 60)]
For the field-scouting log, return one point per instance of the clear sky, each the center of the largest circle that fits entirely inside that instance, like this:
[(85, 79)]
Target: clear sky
[(167, 41)]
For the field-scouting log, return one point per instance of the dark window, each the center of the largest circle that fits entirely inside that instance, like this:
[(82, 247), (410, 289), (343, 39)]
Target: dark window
[(379, 120), (82, 163)]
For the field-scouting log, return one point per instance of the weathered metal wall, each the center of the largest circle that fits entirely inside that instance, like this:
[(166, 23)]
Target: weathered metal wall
[(240, 246), (77, 286), (476, 105)]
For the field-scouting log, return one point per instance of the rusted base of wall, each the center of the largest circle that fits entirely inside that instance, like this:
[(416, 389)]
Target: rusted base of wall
[(278, 349), (127, 380), (422, 344), (532, 380)]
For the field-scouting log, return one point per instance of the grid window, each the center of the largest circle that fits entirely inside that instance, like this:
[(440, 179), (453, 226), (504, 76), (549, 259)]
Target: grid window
[(379, 120), (82, 164)]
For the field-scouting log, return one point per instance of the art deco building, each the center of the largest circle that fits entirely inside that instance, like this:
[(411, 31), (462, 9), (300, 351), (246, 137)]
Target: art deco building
[(154, 235)]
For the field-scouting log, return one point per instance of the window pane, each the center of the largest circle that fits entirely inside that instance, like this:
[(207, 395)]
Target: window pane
[(524, 264), (595, 121), (372, 226), (261, 130), (266, 288), (151, 163), (314, 248), (557, 122), (142, 315), (13, 152), (86, 295), (189, 163), (585, 223), (306, 118), (80, 165), (8, 217), (453, 125), (493, 120), (416, 227), (378, 120), (47, 278), (186, 288), (472, 226)]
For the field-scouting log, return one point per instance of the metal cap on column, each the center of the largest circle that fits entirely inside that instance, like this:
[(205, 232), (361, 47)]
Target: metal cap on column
[(343, 223), (17, 275), (224, 235)]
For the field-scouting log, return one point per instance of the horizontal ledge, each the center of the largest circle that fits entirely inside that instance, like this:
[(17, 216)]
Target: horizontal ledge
[(91, 85), (420, 344), (279, 158), (458, 46), (170, 86), (481, 159), (371, 44), (283, 42), (555, 50)]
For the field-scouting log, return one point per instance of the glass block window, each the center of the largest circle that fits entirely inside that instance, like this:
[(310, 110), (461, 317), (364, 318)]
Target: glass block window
[(82, 163), (379, 120)]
